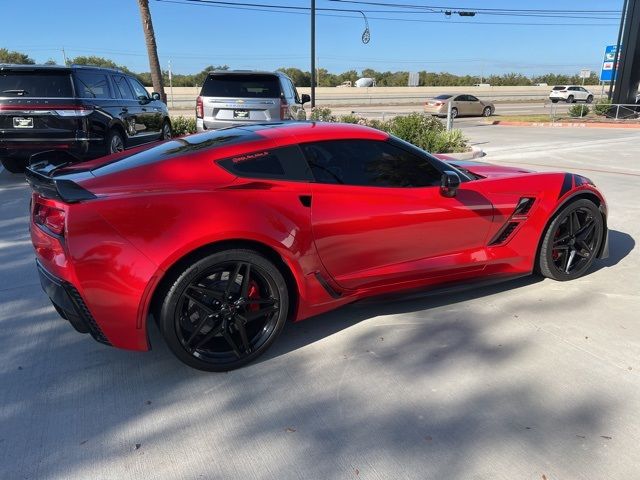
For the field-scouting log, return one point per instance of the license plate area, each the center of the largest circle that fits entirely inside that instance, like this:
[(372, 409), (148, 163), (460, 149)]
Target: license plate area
[(22, 122), (243, 114)]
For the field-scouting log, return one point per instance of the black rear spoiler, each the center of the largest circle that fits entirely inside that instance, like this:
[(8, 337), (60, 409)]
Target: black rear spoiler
[(41, 177)]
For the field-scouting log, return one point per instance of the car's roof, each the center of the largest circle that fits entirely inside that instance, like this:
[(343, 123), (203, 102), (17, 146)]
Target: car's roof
[(297, 132), (244, 72), (62, 68)]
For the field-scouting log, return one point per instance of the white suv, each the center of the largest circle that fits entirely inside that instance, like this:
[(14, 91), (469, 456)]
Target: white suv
[(570, 94)]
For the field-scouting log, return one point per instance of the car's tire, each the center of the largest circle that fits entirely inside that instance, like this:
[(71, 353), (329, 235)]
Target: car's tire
[(203, 313), (590, 99), (454, 112), (554, 101), (114, 142), (487, 112), (165, 132), (571, 241), (570, 99), (14, 165)]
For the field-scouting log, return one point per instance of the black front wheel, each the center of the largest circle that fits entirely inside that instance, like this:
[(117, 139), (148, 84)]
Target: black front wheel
[(225, 310), (572, 241)]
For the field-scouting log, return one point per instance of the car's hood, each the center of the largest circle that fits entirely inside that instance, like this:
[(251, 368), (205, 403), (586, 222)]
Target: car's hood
[(483, 169)]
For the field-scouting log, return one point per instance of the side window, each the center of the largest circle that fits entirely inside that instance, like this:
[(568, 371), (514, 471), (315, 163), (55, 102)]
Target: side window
[(286, 88), (368, 163), (91, 84), (471, 98), (460, 98), (122, 87), (285, 163), (139, 91), (295, 92)]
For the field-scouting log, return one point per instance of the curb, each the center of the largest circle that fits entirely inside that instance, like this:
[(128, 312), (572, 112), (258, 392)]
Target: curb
[(565, 124), (475, 152)]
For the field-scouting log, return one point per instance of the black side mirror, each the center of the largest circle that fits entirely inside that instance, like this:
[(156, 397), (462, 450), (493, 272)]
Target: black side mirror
[(449, 183), (155, 96), (305, 98)]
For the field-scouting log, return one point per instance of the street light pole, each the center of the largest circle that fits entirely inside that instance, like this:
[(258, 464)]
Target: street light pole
[(313, 53)]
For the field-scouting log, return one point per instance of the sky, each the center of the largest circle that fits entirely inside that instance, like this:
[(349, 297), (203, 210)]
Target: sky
[(192, 36)]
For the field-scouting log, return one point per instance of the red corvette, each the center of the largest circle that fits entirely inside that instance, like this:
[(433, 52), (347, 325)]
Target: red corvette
[(223, 236)]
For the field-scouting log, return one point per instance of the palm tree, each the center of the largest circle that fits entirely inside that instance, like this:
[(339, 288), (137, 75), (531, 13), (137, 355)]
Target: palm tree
[(152, 49)]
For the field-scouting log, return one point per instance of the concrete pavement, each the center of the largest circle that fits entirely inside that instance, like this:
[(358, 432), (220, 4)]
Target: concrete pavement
[(527, 380)]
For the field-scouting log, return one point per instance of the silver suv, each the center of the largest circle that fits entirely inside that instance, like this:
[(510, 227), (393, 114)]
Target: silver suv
[(237, 97)]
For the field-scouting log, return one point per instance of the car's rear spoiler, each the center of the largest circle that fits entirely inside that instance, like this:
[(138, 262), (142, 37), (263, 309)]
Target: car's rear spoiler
[(41, 177)]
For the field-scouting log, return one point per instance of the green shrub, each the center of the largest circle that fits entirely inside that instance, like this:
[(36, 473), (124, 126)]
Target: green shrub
[(423, 131), (183, 126), (350, 119), (602, 107), (579, 111), (322, 114)]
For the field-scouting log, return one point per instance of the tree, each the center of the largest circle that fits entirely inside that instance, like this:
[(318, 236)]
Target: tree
[(7, 56), (152, 49), (95, 62)]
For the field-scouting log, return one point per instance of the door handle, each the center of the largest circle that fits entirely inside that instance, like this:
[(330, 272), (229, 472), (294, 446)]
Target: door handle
[(125, 110)]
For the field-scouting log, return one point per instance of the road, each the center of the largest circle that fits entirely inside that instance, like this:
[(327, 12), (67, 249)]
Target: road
[(527, 380)]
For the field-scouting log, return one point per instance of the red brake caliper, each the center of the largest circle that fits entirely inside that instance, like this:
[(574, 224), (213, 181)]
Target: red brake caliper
[(254, 294)]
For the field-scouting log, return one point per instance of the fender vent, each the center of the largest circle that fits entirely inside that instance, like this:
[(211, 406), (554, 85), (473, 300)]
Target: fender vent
[(504, 234), (524, 205)]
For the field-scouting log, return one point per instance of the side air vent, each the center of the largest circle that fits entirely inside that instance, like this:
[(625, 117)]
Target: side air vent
[(524, 205), (504, 234)]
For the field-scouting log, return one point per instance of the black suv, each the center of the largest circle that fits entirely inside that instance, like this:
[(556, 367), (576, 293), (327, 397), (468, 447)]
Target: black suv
[(86, 111)]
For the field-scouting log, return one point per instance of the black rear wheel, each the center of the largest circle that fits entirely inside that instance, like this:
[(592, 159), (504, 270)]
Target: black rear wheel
[(165, 134), (572, 241), (225, 310), (115, 142)]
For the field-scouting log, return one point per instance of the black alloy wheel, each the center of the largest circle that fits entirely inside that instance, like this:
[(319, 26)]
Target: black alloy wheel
[(590, 99), (115, 142), (165, 134), (570, 99), (572, 241), (225, 310)]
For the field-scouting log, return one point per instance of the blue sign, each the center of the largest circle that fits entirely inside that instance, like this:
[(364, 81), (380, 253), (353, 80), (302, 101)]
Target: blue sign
[(610, 60)]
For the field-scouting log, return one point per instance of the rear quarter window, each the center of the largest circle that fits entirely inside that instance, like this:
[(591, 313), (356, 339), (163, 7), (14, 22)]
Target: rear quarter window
[(92, 84), (36, 84), (285, 163), (241, 86)]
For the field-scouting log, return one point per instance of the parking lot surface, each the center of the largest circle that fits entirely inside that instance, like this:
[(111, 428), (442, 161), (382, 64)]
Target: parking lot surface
[(526, 380)]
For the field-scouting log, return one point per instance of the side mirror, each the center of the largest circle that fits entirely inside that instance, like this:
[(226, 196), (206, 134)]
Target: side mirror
[(305, 98), (449, 183), (155, 96)]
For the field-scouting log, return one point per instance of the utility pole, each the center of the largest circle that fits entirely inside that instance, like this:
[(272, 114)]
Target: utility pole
[(64, 55), (170, 83), (313, 53)]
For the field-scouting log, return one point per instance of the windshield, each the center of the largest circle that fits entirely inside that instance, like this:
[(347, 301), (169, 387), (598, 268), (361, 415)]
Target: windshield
[(241, 86), (35, 84)]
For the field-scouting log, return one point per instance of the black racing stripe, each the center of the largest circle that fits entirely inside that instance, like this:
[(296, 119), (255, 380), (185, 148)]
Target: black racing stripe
[(567, 184)]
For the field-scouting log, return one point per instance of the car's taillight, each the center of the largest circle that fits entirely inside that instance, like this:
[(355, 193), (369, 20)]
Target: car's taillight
[(50, 217), (199, 108), (284, 110), (438, 104)]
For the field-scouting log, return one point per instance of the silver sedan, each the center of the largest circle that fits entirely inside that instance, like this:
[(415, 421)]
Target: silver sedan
[(461, 104)]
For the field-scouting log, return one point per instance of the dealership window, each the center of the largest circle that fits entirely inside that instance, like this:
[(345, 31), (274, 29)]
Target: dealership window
[(285, 163), (92, 84), (369, 163)]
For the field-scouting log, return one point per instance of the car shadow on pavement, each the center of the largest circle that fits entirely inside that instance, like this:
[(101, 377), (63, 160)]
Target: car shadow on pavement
[(621, 244)]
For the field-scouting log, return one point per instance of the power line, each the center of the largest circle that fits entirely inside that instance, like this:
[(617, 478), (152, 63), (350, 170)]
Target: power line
[(286, 9)]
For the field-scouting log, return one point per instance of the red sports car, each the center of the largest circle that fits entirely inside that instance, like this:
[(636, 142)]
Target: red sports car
[(221, 237)]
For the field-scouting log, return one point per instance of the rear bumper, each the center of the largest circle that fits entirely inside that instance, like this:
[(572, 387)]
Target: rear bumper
[(203, 125), (70, 305), (24, 148)]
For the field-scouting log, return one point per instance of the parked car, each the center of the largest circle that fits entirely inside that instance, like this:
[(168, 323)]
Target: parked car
[(241, 97), (249, 227), (87, 111), (462, 104), (570, 94)]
